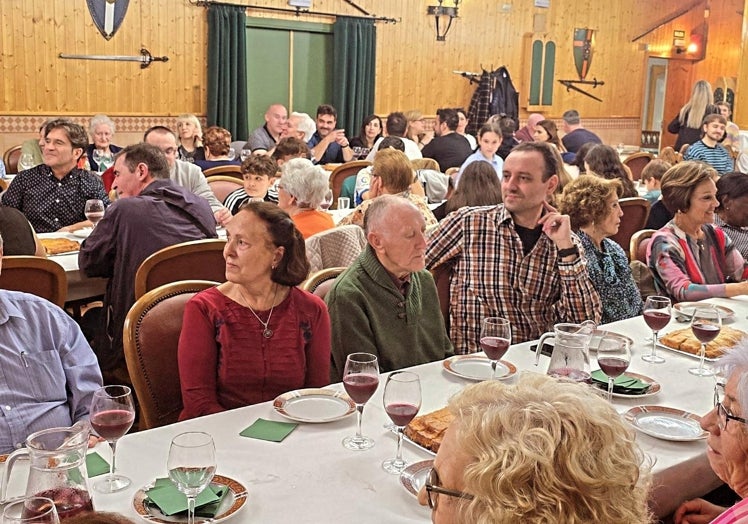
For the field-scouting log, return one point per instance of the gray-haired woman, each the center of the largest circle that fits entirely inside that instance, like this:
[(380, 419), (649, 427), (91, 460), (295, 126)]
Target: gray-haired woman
[(301, 190)]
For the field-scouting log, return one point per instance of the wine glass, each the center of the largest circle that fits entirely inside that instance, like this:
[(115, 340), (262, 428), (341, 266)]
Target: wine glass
[(98, 156), (706, 324), (31, 510), (657, 313), (402, 400), (112, 414), (94, 210), (231, 154), (360, 379), (613, 357), (245, 154), (26, 161), (327, 202), (495, 338), (191, 465)]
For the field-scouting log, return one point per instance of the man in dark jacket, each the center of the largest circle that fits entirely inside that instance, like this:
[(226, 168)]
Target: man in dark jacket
[(151, 213)]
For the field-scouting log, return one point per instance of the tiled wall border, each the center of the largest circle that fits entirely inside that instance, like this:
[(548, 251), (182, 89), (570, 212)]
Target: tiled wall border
[(124, 124)]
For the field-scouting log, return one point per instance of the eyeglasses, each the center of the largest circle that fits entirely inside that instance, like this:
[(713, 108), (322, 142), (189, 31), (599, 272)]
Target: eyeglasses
[(723, 416), (433, 489)]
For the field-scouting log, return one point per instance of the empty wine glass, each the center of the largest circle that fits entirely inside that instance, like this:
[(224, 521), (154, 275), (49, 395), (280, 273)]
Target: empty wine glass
[(191, 465), (98, 156), (112, 414), (327, 202), (613, 357), (706, 324), (402, 400), (360, 379), (657, 313), (94, 210), (495, 338), (31, 510), (231, 154), (244, 154), (26, 161)]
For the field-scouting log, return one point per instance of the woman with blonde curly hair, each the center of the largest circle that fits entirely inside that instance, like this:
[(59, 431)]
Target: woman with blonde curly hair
[(592, 206), (538, 451)]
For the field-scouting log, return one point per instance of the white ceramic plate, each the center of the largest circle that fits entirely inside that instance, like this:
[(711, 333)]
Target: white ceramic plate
[(314, 405), (666, 423), (477, 367), (654, 387), (415, 476), (82, 233), (234, 501), (685, 310)]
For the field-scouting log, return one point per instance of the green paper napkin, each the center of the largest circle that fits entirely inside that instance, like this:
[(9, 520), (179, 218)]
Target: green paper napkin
[(170, 500), (623, 382), (96, 465), (269, 430)]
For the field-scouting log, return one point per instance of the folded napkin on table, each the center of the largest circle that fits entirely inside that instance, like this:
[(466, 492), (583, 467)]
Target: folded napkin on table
[(170, 500), (623, 384), (269, 430)]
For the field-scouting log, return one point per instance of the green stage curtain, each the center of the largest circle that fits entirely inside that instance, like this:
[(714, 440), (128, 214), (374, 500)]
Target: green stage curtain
[(354, 58), (227, 69)]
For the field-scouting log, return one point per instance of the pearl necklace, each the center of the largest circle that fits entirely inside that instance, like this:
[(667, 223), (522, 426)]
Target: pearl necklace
[(266, 332)]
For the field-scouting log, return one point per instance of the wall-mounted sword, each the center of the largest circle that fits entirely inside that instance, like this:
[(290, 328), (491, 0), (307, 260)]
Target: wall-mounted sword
[(145, 58), (594, 83)]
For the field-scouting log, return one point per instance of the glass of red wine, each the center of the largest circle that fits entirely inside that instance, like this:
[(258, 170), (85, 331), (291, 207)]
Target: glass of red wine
[(402, 400), (495, 339), (360, 379), (94, 210), (31, 510), (613, 357), (657, 313), (706, 324), (111, 416)]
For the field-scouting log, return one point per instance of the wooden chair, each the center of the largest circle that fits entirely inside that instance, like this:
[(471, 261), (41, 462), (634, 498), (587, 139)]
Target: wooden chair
[(3, 185), (10, 159), (39, 276), (338, 176), (637, 162), (635, 214), (194, 260), (638, 246), (320, 283), (232, 171), (443, 277), (151, 339), (223, 185)]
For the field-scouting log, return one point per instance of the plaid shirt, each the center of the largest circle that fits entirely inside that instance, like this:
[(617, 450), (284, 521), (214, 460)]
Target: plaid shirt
[(493, 277)]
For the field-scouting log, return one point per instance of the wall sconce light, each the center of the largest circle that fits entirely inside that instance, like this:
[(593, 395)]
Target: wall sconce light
[(443, 17)]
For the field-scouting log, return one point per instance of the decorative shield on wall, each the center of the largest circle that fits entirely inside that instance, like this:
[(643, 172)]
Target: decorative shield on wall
[(583, 46), (107, 15)]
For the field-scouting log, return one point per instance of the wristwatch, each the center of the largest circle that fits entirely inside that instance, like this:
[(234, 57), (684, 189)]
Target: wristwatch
[(573, 250), (347, 146)]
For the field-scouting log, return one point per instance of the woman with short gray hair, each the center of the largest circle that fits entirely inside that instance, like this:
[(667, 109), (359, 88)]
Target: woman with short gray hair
[(301, 190), (101, 152)]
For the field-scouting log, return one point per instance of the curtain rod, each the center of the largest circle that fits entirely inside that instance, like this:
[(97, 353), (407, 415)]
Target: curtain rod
[(299, 11)]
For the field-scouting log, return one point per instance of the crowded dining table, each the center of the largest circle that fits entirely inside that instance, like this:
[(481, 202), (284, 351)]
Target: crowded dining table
[(310, 477)]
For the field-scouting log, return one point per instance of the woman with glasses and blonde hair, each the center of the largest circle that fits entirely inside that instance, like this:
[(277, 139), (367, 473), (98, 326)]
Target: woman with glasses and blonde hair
[(190, 134), (539, 451), (416, 130)]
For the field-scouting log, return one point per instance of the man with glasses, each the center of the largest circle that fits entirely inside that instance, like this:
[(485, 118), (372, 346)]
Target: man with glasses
[(187, 175)]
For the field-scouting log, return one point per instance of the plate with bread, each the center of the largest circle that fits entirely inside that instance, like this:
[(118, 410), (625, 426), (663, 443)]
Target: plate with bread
[(427, 431), (59, 246), (683, 341), (477, 367)]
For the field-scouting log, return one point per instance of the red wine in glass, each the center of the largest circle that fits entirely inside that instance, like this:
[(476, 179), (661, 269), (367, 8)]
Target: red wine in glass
[(401, 413), (656, 320), (494, 347), (360, 387), (705, 332), (612, 366), (112, 424), (69, 502)]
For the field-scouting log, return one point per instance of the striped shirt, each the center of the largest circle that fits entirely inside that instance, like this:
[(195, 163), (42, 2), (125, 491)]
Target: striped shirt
[(734, 515), (493, 277), (716, 156), (738, 235)]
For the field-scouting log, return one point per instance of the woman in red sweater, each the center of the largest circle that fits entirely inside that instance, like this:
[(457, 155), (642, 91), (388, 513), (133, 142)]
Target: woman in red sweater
[(257, 335)]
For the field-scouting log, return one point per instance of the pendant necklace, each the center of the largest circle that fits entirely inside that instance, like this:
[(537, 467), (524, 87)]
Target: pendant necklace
[(266, 332)]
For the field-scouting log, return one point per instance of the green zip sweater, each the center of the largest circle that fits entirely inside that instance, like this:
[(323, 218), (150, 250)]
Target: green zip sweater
[(370, 315)]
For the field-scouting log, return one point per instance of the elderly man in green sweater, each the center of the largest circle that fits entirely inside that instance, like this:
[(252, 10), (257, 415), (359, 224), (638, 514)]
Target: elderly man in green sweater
[(385, 303)]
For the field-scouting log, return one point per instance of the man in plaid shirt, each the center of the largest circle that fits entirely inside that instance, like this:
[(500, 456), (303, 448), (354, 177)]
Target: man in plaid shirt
[(518, 260)]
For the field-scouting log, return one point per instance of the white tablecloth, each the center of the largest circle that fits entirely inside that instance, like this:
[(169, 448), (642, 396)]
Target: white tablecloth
[(311, 478), (79, 285)]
